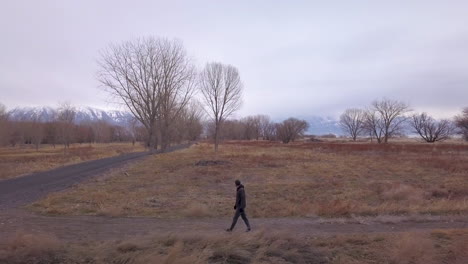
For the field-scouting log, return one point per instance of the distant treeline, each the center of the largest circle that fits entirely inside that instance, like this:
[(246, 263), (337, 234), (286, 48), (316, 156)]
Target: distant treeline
[(386, 118), (260, 127), (64, 131)]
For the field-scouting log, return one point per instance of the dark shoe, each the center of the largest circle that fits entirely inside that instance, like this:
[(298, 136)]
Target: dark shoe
[(229, 230), (248, 230)]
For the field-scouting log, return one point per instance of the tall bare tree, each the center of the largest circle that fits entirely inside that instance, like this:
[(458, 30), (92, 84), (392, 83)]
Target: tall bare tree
[(352, 122), (153, 77), (431, 130), (386, 118), (221, 88), (462, 123), (177, 89)]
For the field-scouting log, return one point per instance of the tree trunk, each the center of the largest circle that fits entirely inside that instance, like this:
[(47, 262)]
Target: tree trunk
[(165, 137), (216, 136)]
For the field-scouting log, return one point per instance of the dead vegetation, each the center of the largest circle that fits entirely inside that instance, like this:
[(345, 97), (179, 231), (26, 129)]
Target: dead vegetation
[(17, 161), (257, 247), (449, 246), (31, 248), (295, 180), (438, 246)]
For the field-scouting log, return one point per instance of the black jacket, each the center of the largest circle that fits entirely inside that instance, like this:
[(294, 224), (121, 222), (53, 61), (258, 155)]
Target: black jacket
[(240, 197)]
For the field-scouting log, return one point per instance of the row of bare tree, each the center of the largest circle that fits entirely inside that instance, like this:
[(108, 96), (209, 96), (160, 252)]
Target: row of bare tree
[(259, 127), (62, 129), (388, 118)]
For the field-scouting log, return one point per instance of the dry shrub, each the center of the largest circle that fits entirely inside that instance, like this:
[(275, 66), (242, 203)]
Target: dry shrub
[(128, 247), (197, 211), (255, 247), (439, 193), (412, 248), (31, 248), (399, 192)]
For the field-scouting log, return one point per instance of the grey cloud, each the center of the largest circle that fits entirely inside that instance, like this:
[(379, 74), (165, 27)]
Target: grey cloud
[(295, 58)]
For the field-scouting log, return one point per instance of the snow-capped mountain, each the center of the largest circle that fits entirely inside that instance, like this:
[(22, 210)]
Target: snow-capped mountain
[(319, 125), (82, 115), (323, 125)]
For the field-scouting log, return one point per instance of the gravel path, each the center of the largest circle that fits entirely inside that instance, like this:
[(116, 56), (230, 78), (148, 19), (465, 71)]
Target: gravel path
[(20, 191)]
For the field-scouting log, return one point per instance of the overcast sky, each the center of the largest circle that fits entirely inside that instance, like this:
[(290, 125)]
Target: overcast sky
[(296, 58)]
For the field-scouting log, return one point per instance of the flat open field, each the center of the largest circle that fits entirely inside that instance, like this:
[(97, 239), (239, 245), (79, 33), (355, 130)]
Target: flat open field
[(295, 180), (17, 161), (323, 202)]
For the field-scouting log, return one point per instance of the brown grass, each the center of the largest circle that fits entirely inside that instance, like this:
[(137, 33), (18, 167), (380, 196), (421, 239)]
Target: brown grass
[(438, 246), (257, 247), (31, 248), (17, 161), (397, 248), (296, 180)]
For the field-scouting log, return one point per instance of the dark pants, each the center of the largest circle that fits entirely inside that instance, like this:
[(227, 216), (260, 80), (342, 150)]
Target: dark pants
[(241, 213)]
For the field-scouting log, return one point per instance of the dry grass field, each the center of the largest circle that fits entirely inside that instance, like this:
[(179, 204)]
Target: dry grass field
[(447, 246), (295, 180), (17, 161)]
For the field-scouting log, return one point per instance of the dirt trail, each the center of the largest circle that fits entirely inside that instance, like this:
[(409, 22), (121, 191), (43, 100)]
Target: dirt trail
[(17, 192), (81, 228)]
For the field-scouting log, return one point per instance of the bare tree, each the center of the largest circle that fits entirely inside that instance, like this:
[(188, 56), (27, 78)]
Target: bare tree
[(252, 127), (265, 126), (4, 125), (51, 132), (270, 131), (101, 131), (461, 122), (221, 88), (193, 118), (291, 129), (3, 111), (385, 118), (431, 130), (65, 124), (154, 78), (178, 84), (36, 127), (133, 125), (352, 122)]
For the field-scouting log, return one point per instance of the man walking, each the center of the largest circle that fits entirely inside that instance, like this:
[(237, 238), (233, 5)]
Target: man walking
[(240, 207)]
